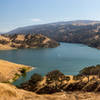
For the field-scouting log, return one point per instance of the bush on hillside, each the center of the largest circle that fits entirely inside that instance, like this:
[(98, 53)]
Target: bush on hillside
[(91, 70), (78, 77), (55, 75), (67, 78), (35, 78)]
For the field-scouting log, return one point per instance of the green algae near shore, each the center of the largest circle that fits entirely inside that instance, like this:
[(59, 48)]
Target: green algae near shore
[(10, 72)]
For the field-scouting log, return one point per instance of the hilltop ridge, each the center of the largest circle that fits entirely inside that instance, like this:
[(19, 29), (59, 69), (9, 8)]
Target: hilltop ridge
[(26, 41), (79, 31), (32, 28)]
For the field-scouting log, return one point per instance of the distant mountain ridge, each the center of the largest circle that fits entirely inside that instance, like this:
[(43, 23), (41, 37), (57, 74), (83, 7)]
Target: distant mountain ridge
[(80, 31), (33, 27)]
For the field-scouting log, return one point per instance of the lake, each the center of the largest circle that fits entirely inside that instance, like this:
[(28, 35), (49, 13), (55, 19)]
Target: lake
[(69, 58)]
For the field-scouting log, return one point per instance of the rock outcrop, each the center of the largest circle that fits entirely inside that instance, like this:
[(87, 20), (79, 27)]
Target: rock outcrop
[(26, 41)]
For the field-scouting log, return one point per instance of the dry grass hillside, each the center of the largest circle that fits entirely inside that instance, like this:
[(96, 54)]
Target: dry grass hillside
[(10, 71), (53, 86), (55, 81), (26, 41), (9, 92)]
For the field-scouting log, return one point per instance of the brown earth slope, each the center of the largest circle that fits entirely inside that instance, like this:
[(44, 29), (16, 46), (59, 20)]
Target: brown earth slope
[(10, 92), (10, 71), (26, 41), (56, 81)]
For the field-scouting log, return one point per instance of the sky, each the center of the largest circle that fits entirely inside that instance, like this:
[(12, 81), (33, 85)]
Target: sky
[(19, 13)]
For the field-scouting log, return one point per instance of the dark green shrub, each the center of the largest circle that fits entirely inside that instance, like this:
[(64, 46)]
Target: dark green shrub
[(91, 70), (78, 77), (55, 75), (23, 70), (35, 78), (67, 78)]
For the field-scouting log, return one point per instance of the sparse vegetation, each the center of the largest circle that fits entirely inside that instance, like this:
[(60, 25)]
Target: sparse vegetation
[(26, 41), (55, 75), (78, 77), (56, 81), (16, 76), (10, 71), (86, 34), (67, 78), (91, 70), (23, 70)]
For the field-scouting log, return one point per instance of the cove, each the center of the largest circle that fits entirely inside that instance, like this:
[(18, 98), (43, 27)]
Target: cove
[(69, 58)]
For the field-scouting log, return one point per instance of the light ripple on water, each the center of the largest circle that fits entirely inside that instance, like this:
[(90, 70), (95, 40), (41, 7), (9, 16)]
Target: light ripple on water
[(68, 58)]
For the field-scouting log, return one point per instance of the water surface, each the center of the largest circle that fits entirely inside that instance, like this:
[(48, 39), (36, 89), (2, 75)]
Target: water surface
[(68, 58)]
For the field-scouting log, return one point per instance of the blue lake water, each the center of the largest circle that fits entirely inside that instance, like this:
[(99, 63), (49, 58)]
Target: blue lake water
[(68, 58)]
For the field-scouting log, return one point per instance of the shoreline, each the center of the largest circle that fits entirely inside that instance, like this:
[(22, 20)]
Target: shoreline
[(10, 72), (6, 47), (11, 81), (9, 89)]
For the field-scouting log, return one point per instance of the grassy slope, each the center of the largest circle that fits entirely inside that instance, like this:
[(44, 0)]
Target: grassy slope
[(9, 92), (10, 71)]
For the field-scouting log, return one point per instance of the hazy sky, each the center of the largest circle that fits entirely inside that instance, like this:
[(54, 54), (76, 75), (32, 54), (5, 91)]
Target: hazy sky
[(17, 13)]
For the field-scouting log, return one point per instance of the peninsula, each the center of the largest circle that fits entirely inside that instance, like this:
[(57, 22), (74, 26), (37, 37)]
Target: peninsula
[(21, 41)]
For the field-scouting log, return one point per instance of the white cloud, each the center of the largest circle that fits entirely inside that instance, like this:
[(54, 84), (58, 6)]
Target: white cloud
[(36, 20)]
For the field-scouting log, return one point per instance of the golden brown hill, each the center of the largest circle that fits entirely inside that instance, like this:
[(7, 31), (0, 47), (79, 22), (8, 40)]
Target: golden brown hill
[(56, 81), (10, 71), (26, 41), (10, 92)]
